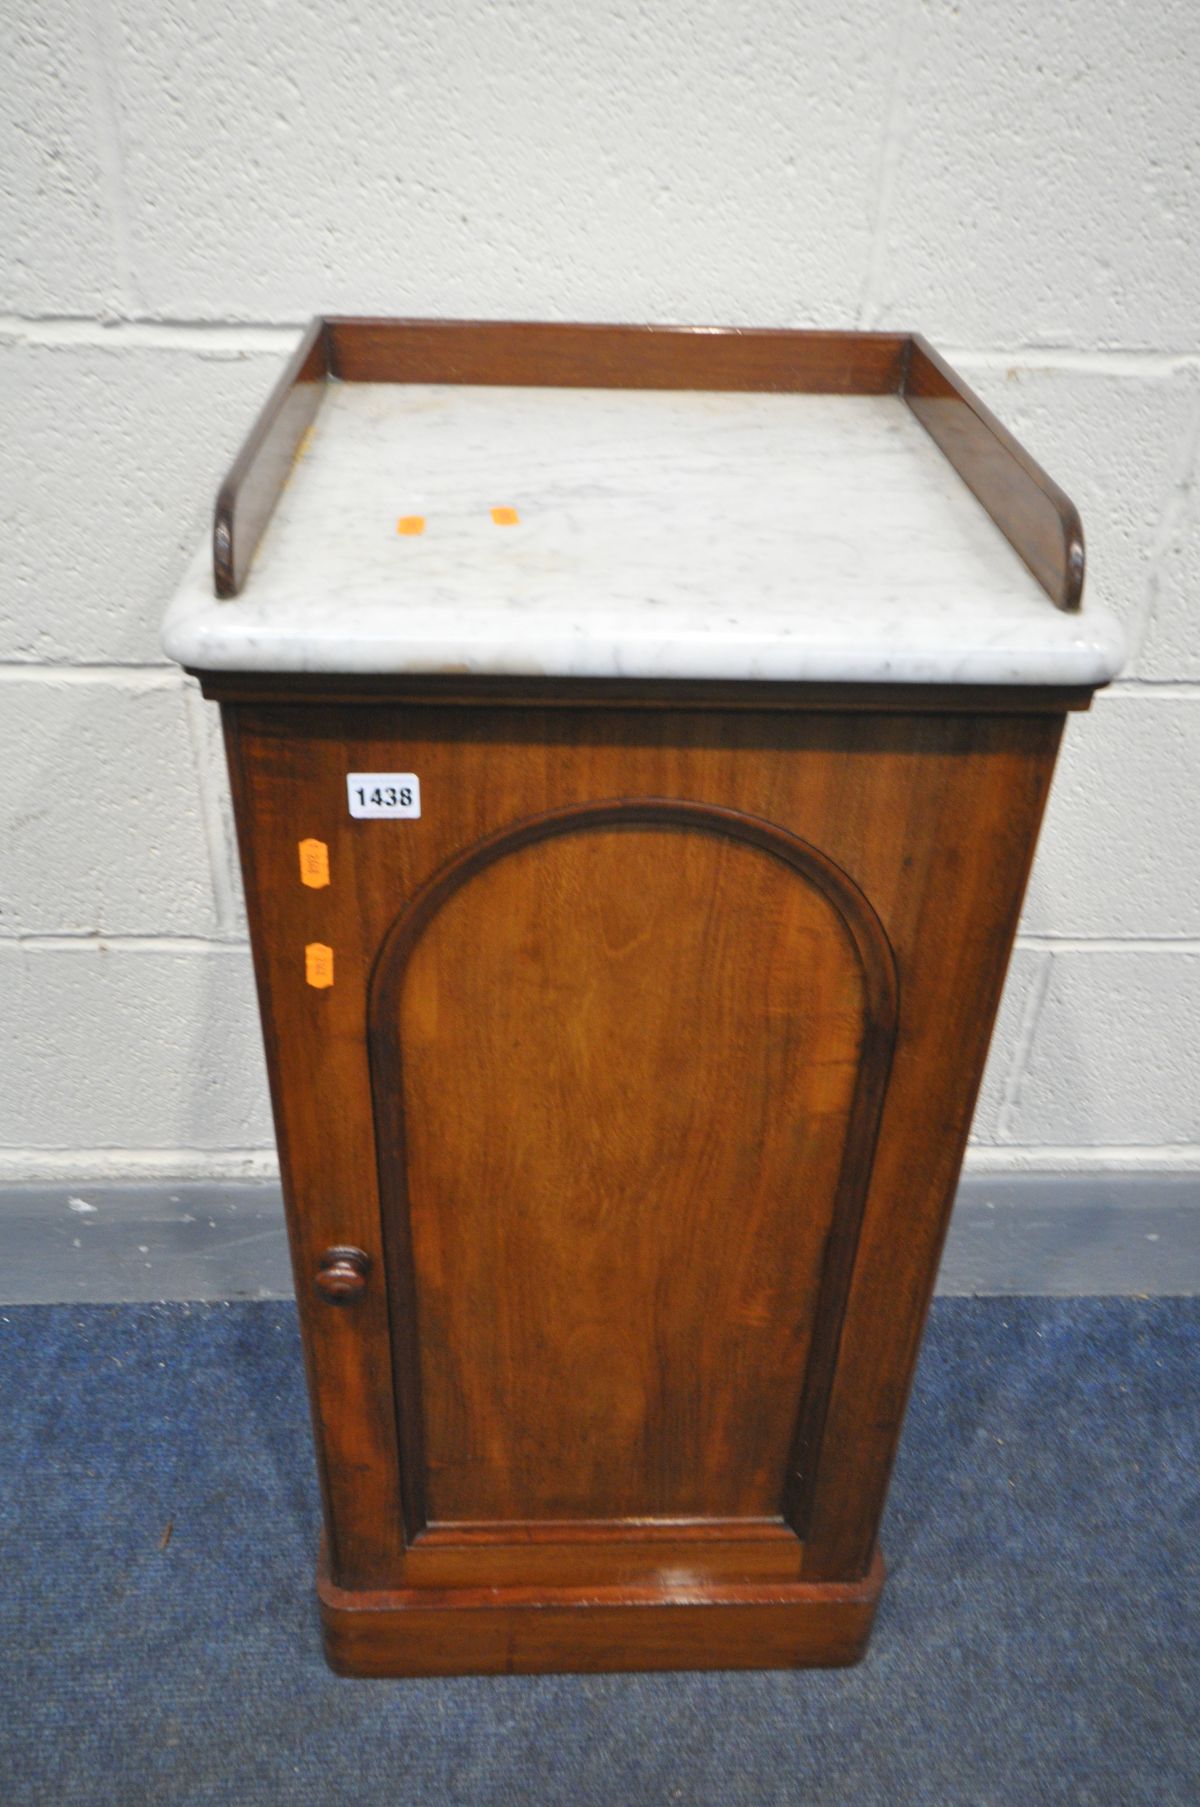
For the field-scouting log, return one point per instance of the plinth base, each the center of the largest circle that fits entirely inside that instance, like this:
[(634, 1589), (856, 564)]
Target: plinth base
[(526, 1631)]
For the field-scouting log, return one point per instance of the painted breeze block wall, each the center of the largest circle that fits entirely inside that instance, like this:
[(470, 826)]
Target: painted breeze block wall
[(180, 187)]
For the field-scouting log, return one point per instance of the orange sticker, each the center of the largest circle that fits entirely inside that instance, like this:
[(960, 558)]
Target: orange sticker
[(314, 864), (505, 517), (318, 964), (411, 523)]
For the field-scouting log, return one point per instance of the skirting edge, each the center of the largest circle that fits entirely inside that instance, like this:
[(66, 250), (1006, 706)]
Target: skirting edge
[(528, 1631)]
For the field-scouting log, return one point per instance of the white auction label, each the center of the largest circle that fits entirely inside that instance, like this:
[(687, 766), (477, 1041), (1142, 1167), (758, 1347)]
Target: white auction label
[(384, 793)]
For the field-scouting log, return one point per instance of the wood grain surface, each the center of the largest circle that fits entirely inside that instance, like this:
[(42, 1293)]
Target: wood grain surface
[(515, 1631), (260, 470), (1038, 520), (565, 354), (604, 1125), (558, 1168)]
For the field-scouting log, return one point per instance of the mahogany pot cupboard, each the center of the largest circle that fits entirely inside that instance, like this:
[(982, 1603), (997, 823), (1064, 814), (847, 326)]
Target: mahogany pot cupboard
[(638, 740)]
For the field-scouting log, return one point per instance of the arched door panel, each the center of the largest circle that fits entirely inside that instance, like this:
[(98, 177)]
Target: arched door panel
[(626, 1061)]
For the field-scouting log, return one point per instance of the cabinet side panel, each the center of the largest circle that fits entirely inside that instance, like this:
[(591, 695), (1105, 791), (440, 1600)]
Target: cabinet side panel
[(962, 863)]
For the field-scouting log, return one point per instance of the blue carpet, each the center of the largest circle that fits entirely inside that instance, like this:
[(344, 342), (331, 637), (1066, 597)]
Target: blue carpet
[(1038, 1640)]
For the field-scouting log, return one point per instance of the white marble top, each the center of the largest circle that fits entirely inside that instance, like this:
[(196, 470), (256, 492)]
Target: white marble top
[(680, 535)]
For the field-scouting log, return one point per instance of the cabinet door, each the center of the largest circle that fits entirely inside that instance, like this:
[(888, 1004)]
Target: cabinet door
[(627, 1063), (639, 1069)]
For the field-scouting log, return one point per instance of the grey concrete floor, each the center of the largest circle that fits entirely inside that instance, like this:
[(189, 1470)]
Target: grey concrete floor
[(1019, 1234)]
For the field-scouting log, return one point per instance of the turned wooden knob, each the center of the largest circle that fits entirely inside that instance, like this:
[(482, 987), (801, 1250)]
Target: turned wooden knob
[(342, 1275)]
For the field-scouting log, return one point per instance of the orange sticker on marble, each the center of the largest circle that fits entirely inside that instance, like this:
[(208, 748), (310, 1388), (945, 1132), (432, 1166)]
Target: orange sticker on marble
[(411, 523), (505, 517)]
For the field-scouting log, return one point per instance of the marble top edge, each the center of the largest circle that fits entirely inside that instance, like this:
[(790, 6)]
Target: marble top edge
[(729, 535)]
